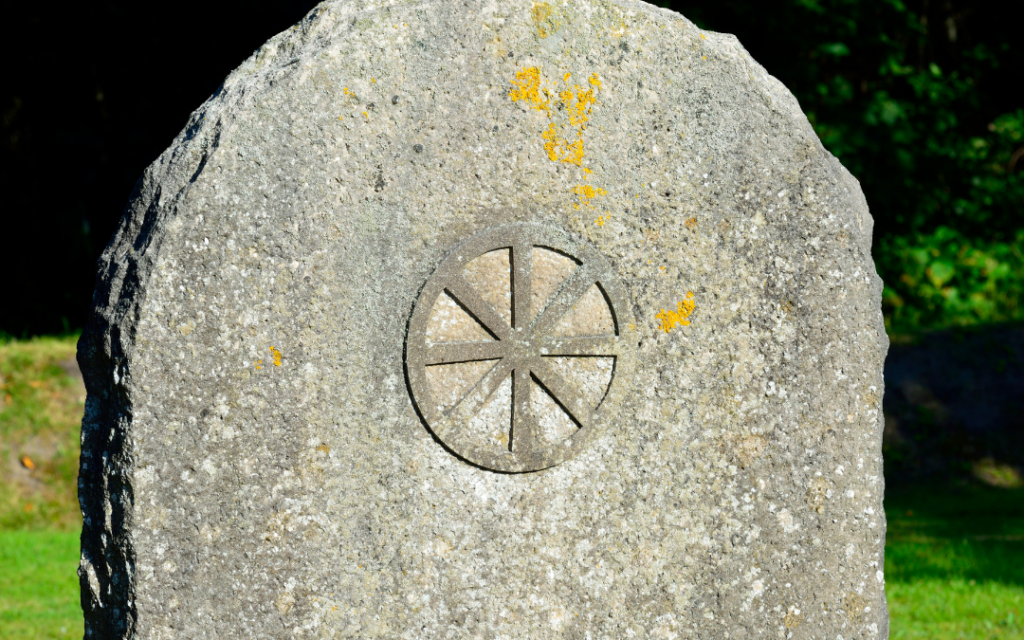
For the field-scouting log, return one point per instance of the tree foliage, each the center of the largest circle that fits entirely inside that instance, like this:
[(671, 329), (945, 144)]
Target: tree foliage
[(922, 102), (920, 99)]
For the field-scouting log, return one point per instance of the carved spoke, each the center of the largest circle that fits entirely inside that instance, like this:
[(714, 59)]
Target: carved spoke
[(571, 290), (522, 284), (466, 295), (522, 437), (456, 352), (563, 393), (581, 346), (477, 397)]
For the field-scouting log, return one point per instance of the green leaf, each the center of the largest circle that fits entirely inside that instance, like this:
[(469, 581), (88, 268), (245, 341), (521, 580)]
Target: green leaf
[(940, 272), (837, 49)]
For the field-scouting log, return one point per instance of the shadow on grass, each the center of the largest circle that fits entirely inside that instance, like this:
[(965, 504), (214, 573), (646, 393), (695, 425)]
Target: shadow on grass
[(966, 532)]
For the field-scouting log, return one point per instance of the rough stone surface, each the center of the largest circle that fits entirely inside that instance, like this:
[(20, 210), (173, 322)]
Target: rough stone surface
[(254, 465)]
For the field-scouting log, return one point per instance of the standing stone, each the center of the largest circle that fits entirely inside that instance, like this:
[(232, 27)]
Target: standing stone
[(488, 320)]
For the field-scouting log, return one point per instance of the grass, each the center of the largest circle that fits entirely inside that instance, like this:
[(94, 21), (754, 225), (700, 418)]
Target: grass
[(954, 562), (954, 554), (41, 403), (39, 586)]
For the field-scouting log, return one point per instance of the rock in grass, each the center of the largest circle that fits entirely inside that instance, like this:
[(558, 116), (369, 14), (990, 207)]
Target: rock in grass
[(482, 320)]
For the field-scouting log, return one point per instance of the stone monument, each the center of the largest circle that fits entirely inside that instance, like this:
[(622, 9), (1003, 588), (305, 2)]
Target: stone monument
[(488, 320)]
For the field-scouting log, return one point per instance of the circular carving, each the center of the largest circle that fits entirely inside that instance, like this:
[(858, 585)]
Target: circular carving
[(516, 353)]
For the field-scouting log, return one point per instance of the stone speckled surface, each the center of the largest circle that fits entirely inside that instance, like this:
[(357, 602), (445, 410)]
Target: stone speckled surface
[(253, 465)]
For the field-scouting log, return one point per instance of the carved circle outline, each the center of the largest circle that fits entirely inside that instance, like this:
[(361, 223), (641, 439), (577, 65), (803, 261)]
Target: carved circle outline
[(592, 269)]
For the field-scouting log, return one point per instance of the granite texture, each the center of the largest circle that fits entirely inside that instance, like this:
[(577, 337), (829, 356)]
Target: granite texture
[(253, 461)]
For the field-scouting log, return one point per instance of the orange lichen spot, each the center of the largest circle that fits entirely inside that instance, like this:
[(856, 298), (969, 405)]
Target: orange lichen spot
[(702, 37), (27, 463), (668, 319), (276, 355), (579, 115), (259, 364), (347, 92), (324, 448), (586, 193), (373, 80), (601, 220), (561, 150), (662, 270), (691, 223), (366, 115), (526, 87), (563, 142)]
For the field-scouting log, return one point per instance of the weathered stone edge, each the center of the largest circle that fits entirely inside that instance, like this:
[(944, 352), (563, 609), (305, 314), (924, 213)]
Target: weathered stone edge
[(105, 350)]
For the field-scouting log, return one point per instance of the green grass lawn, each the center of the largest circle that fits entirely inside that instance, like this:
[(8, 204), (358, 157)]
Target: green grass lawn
[(954, 554), (954, 562), (39, 586)]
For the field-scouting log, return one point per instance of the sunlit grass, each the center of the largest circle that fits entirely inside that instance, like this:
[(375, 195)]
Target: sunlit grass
[(933, 609), (41, 405), (954, 563), (39, 585)]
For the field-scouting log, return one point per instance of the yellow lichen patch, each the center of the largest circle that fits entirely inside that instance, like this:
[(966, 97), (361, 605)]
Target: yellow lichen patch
[(585, 193), (526, 87), (691, 223), (561, 150), (580, 113), (259, 364), (543, 19), (541, 11), (577, 103), (563, 141), (601, 220), (276, 355), (668, 319)]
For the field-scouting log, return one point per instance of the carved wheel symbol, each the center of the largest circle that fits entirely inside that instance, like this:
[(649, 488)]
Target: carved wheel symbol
[(516, 353)]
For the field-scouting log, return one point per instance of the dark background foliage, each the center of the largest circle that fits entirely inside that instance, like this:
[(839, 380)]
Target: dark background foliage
[(921, 100)]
